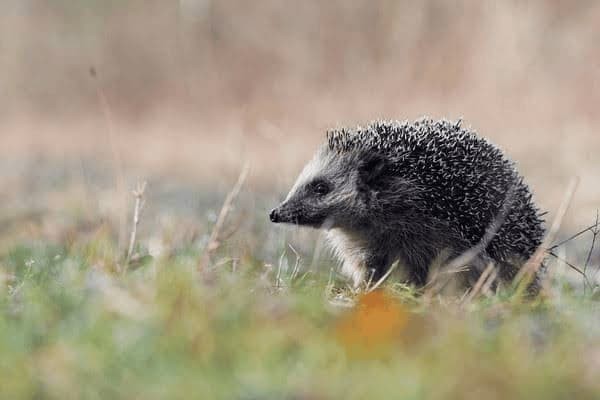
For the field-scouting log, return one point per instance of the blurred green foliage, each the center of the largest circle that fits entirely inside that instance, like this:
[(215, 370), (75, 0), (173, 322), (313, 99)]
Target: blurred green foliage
[(72, 328)]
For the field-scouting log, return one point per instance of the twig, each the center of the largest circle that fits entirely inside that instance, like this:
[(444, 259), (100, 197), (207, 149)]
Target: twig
[(575, 236), (551, 253), (138, 193), (213, 241), (383, 278), (583, 271), (595, 233)]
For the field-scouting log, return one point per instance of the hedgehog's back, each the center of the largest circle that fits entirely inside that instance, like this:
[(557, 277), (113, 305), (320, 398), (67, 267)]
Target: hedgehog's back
[(464, 180)]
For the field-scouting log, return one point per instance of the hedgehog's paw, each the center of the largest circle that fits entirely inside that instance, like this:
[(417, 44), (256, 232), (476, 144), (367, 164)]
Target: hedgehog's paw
[(356, 272)]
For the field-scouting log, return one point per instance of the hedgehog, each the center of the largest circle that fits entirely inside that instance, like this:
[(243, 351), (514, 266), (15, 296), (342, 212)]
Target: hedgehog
[(420, 193)]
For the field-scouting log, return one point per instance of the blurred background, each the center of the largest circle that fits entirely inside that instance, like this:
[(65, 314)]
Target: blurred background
[(97, 95)]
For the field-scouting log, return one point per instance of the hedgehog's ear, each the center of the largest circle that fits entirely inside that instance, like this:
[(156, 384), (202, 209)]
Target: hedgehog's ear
[(371, 169)]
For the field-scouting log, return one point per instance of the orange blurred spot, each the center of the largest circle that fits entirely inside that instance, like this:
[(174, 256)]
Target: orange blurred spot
[(376, 323)]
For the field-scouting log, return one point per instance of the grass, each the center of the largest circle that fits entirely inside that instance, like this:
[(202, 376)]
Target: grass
[(74, 325), (231, 310)]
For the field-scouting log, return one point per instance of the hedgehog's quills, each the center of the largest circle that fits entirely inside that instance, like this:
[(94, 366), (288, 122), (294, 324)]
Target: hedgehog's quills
[(422, 193)]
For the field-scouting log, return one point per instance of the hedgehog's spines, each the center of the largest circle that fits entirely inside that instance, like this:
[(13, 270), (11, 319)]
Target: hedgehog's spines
[(468, 176), (441, 187)]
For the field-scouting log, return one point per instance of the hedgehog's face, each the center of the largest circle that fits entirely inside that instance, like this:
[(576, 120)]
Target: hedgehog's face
[(329, 192)]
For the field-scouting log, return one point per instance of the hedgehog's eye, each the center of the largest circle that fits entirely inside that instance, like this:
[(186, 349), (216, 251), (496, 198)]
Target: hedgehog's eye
[(320, 187)]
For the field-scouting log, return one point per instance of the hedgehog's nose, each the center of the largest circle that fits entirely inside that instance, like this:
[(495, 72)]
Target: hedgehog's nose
[(274, 215)]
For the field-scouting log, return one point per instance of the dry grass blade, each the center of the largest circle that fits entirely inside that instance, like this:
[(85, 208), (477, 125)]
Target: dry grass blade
[(383, 278), (486, 288), (296, 268), (369, 281), (442, 278), (530, 268), (138, 193), (213, 241), (466, 257), (116, 156), (483, 278)]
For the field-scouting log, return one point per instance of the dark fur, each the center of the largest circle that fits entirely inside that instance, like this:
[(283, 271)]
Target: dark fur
[(421, 193)]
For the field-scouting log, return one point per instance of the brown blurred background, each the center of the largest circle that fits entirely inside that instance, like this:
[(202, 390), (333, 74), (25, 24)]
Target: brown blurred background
[(189, 90)]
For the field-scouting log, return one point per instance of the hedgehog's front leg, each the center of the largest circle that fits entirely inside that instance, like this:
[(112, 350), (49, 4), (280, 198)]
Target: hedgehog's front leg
[(354, 270), (363, 260), (377, 264), (355, 265), (368, 263)]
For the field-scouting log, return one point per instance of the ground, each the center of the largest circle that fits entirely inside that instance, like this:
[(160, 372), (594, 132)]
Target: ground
[(264, 315)]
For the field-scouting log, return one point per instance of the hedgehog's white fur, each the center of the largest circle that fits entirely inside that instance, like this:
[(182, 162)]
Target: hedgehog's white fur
[(350, 250), (315, 166)]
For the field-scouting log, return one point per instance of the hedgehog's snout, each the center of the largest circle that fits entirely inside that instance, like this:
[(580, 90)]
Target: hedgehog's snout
[(285, 214), (275, 216)]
